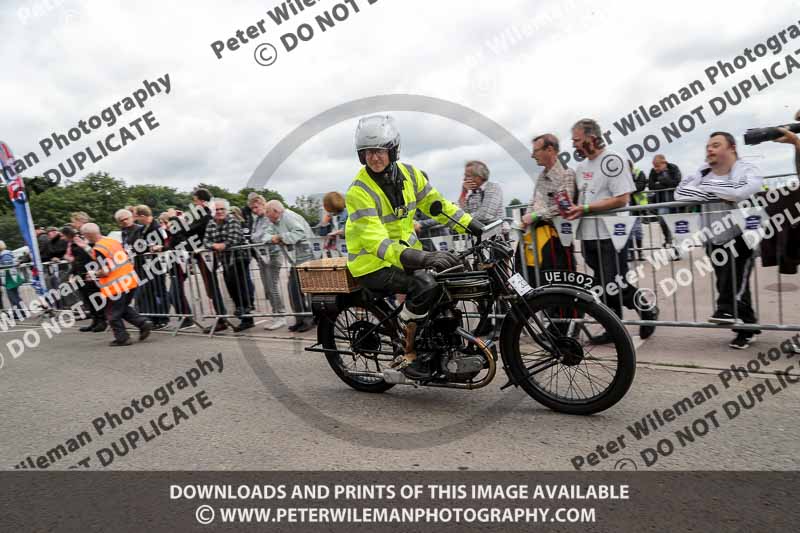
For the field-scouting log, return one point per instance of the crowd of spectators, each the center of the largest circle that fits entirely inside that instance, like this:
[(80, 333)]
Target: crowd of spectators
[(230, 244)]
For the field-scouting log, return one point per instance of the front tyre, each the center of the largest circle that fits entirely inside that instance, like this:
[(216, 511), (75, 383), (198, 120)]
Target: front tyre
[(578, 377)]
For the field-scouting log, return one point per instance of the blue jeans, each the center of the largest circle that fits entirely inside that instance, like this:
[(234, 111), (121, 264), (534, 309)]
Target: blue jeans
[(16, 301)]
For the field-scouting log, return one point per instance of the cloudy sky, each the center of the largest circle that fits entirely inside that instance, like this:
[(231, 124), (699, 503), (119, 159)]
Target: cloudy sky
[(530, 67)]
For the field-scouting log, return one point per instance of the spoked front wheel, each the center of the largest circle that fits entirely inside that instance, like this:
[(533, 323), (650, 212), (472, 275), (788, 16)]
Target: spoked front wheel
[(561, 368)]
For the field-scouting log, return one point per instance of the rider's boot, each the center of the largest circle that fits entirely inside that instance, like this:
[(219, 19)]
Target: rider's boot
[(411, 366), (410, 332)]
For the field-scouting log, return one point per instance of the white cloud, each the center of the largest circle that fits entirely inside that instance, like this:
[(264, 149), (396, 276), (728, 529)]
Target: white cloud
[(530, 67)]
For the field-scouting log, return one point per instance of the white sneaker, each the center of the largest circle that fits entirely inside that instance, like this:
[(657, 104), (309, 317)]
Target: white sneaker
[(276, 324)]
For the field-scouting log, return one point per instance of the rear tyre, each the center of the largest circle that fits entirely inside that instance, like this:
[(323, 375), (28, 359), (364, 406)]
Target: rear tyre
[(351, 330), (583, 378)]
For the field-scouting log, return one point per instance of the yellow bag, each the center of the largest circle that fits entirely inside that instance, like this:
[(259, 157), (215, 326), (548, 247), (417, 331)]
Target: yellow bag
[(544, 232)]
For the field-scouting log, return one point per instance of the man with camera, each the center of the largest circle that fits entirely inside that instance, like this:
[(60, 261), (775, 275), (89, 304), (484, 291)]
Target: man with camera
[(792, 138)]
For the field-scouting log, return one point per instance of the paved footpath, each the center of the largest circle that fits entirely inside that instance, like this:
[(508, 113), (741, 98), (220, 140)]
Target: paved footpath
[(274, 406)]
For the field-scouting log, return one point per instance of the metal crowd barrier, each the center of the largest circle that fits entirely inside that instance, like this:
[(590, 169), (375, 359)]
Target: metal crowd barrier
[(55, 273), (257, 281), (683, 284)]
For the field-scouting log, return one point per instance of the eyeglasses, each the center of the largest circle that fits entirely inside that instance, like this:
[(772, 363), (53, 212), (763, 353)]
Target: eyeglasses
[(374, 152)]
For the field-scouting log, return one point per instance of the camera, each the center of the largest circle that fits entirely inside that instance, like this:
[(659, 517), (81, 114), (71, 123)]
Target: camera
[(759, 135)]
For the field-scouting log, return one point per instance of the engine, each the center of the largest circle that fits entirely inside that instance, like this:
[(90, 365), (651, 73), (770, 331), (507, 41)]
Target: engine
[(456, 361), (460, 367)]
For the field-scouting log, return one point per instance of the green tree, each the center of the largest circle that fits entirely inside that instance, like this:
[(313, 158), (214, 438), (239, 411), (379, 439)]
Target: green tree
[(9, 231), (515, 201), (158, 197), (309, 208), (98, 194)]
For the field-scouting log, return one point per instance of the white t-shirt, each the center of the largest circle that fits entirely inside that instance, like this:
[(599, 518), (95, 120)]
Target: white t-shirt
[(605, 176)]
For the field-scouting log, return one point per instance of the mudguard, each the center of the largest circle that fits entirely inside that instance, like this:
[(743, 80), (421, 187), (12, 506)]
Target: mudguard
[(519, 309)]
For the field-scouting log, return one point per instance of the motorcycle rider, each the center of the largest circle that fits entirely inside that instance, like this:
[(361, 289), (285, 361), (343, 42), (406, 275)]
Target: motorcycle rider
[(385, 254)]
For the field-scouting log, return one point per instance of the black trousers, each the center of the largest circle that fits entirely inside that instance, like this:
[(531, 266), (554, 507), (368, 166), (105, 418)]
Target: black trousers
[(86, 291), (420, 288), (606, 264), (152, 297), (177, 294), (119, 310), (234, 269), (297, 299), (733, 279), (210, 283)]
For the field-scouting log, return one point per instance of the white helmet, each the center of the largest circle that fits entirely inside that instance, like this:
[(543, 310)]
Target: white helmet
[(377, 132)]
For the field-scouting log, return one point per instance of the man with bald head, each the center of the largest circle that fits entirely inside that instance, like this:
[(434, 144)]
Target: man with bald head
[(291, 230), (117, 280)]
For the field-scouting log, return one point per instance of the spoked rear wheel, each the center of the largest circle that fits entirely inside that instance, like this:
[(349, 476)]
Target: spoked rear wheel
[(578, 377), (353, 329)]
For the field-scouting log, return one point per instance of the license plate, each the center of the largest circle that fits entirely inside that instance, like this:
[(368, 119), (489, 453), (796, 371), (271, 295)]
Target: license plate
[(566, 277), (519, 284)]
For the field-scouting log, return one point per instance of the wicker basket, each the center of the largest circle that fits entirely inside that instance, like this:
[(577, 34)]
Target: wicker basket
[(326, 276)]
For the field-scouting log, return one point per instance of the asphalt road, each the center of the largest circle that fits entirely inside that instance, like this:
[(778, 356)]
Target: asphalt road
[(274, 406)]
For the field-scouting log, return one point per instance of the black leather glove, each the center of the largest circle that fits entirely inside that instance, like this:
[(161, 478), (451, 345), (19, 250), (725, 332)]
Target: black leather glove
[(475, 227), (415, 259)]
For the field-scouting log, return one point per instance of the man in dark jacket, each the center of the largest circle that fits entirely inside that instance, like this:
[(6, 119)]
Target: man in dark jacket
[(152, 298), (53, 253), (56, 246), (223, 235), (200, 215), (131, 231), (79, 258), (664, 178)]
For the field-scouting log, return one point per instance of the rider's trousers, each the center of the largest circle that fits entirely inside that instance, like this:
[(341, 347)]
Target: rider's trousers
[(420, 288)]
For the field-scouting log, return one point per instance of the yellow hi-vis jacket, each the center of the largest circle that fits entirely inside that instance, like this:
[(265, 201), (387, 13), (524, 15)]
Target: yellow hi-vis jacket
[(377, 234)]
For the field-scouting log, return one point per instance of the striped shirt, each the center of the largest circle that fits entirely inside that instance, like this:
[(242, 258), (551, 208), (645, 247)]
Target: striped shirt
[(550, 182), (743, 181)]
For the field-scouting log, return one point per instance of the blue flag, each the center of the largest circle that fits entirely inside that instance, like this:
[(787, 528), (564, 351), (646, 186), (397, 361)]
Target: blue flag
[(16, 192)]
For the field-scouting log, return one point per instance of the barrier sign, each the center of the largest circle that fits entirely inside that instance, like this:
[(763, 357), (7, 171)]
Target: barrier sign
[(619, 228), (566, 230)]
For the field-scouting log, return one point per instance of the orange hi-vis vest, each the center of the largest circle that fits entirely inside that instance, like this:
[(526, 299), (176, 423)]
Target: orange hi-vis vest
[(121, 277)]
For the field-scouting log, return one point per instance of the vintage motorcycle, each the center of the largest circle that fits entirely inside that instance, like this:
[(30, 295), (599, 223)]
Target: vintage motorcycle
[(544, 338)]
